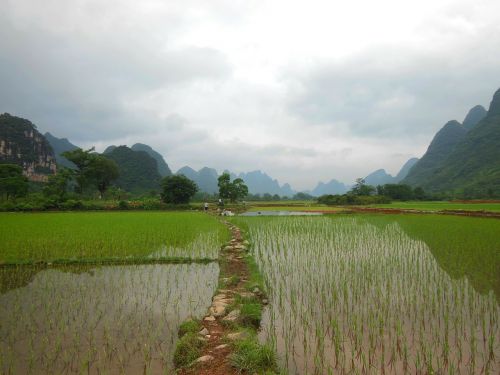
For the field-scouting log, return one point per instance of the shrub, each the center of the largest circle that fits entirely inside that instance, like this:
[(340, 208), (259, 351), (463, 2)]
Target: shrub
[(123, 205)]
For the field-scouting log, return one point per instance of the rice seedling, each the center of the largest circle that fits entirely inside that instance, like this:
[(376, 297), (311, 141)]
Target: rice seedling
[(353, 295), (98, 236), (102, 319)]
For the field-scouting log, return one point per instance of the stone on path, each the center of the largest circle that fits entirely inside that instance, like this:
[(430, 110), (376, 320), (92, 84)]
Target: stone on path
[(204, 332), (232, 316), (222, 346), (218, 309), (209, 318), (204, 359)]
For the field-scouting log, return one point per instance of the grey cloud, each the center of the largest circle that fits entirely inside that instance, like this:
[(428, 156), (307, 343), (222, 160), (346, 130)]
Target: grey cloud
[(85, 82), (394, 93)]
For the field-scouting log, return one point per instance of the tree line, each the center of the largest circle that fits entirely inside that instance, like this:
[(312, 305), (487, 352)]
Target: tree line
[(95, 172), (362, 193)]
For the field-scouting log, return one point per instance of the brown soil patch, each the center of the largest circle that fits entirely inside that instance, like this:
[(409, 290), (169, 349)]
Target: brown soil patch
[(231, 263), (488, 214)]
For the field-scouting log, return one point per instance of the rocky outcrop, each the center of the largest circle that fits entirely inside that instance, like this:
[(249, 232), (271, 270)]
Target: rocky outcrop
[(22, 144)]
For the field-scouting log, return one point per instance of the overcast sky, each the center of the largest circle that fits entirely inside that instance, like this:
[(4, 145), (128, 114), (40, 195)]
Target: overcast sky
[(306, 91)]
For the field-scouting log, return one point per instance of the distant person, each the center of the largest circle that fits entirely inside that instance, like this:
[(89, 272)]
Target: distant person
[(205, 206), (221, 203)]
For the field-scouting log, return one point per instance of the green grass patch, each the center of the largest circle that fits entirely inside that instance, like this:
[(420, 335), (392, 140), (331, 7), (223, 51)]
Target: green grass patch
[(253, 357), (251, 314), (190, 326), (95, 236), (188, 348)]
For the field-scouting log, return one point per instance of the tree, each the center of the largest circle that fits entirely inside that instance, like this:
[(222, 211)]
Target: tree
[(57, 185), (224, 182), (400, 192), (12, 181), (419, 193), (231, 190), (102, 172), (177, 189), (301, 196), (361, 188), (237, 190), (92, 169)]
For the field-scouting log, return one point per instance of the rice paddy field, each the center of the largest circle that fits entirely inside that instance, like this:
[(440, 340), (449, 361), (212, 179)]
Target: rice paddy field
[(83, 314), (100, 236), (363, 294), (106, 292)]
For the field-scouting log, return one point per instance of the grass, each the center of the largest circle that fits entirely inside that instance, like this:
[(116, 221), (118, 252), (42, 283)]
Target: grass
[(95, 236), (253, 357), (188, 348), (190, 345), (189, 326)]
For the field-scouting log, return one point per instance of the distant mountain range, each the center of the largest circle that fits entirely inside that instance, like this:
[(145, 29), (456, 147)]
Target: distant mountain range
[(60, 145), (332, 187), (205, 178), (258, 182), (463, 159), (381, 177)]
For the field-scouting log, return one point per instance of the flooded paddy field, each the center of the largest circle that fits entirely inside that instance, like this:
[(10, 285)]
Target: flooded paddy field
[(380, 294), (113, 319), (64, 309)]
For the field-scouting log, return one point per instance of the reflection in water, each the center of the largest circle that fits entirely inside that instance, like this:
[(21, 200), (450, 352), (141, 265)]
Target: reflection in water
[(119, 319), (463, 246), (349, 297)]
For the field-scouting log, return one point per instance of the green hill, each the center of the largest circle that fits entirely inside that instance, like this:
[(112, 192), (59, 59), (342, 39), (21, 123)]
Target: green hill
[(473, 167), (440, 148), (163, 168), (138, 170), (475, 115)]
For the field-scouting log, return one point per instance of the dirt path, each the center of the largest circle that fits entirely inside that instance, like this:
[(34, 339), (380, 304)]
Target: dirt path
[(233, 275)]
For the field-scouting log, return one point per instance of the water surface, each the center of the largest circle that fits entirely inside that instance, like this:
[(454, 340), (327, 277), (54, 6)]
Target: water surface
[(113, 320)]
